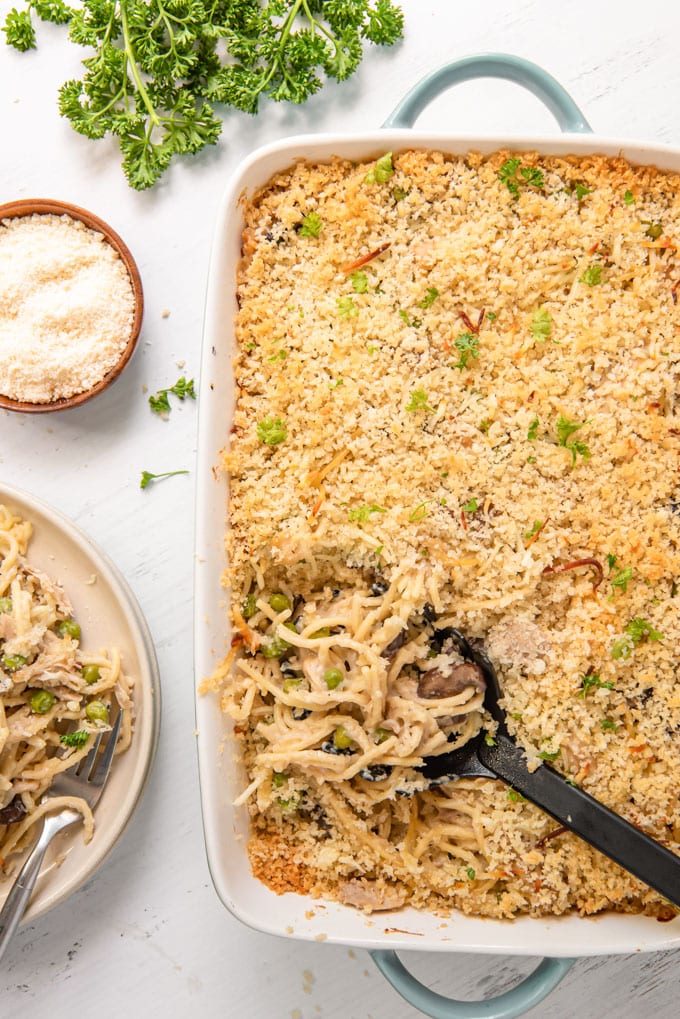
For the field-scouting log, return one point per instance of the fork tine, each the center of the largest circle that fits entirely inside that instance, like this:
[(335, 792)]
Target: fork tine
[(84, 766), (101, 770)]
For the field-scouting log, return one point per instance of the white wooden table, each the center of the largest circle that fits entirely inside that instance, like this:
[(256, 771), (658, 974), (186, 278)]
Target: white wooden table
[(147, 935)]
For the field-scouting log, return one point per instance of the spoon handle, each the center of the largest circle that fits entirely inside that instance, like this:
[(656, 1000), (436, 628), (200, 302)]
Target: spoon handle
[(617, 838)]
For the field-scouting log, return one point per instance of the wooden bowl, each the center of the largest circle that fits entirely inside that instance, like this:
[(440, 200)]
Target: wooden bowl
[(46, 206)]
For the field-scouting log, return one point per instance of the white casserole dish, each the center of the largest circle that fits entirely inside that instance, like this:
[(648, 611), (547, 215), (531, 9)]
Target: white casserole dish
[(226, 828)]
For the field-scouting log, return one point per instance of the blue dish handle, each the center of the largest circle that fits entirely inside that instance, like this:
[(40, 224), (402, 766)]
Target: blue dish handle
[(546, 977), (492, 65), (515, 1002)]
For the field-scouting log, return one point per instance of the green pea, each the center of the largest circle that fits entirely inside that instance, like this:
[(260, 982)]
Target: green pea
[(91, 674), (5, 604), (41, 701), (380, 735), (279, 602), (97, 711), (333, 678), (69, 627), (291, 683), (13, 662), (341, 738), (249, 606), (275, 648), (279, 778)]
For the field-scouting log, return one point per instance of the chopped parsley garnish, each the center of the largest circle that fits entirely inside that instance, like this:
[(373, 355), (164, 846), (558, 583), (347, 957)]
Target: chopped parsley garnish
[(359, 281), (334, 383), (637, 630), (537, 525), (491, 316), (608, 724), (592, 275), (429, 299), (592, 681), (621, 578), (515, 176), (472, 506), (360, 514), (565, 429), (280, 355), (272, 431), (419, 513), (418, 401), (346, 307), (160, 403), (516, 797), (75, 739), (470, 871), (405, 317), (541, 325), (484, 425), (611, 561), (381, 171), (489, 739), (532, 432), (467, 346), (547, 755), (399, 194), (628, 198), (580, 190), (311, 225), (147, 477)]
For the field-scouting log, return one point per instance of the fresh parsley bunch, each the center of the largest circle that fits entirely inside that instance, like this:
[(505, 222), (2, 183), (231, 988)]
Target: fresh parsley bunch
[(158, 67)]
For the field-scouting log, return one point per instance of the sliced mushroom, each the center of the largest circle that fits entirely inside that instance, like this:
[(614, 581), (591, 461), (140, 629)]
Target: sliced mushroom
[(13, 812), (436, 684)]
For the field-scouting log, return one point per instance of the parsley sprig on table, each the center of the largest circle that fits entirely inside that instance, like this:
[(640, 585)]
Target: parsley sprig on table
[(160, 403), (158, 67)]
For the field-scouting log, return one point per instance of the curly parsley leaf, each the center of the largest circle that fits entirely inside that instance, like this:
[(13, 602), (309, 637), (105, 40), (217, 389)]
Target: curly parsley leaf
[(381, 171), (359, 281), (346, 307), (360, 514), (592, 276), (418, 401), (311, 225), (75, 739), (541, 325), (515, 176), (19, 31), (272, 431), (592, 681), (160, 66), (160, 403), (636, 631), (467, 346), (532, 431), (148, 477), (565, 429), (429, 299)]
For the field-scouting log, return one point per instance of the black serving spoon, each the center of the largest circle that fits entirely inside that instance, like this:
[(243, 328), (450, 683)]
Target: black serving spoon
[(575, 810)]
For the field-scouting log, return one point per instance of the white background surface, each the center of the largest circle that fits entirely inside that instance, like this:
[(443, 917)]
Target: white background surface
[(147, 936)]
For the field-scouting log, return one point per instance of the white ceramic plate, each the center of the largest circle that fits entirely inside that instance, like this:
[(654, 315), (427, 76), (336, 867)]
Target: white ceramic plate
[(109, 615), (226, 828)]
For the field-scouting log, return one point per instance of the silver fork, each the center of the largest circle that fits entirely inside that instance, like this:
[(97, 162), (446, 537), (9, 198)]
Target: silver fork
[(85, 779)]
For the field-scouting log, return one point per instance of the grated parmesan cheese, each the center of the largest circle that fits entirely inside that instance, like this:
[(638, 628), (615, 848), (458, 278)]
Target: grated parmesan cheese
[(66, 307)]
